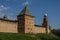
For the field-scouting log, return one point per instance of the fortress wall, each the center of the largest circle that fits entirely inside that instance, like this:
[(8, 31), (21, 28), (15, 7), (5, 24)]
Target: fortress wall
[(40, 30), (6, 26)]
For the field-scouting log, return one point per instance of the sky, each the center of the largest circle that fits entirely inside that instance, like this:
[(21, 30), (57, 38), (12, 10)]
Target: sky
[(11, 8)]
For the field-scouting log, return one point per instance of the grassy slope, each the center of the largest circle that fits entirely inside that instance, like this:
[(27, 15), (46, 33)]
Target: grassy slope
[(48, 37), (19, 36)]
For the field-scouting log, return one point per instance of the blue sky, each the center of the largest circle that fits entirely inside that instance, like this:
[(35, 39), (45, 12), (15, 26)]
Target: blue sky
[(12, 8)]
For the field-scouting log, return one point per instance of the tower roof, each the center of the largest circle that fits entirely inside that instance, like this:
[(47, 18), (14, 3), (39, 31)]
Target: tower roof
[(26, 11), (45, 14)]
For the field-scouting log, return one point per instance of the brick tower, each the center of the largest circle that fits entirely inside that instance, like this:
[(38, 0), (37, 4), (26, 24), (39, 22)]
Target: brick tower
[(25, 21), (46, 24)]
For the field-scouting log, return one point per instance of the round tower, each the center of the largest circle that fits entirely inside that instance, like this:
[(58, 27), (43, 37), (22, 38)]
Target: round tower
[(46, 23)]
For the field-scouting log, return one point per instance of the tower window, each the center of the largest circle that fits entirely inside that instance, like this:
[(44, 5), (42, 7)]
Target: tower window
[(29, 28)]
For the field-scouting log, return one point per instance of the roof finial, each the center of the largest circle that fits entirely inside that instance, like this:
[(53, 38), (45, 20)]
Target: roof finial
[(27, 2), (45, 12)]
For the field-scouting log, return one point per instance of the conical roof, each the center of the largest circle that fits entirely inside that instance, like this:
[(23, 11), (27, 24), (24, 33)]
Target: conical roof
[(26, 11)]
